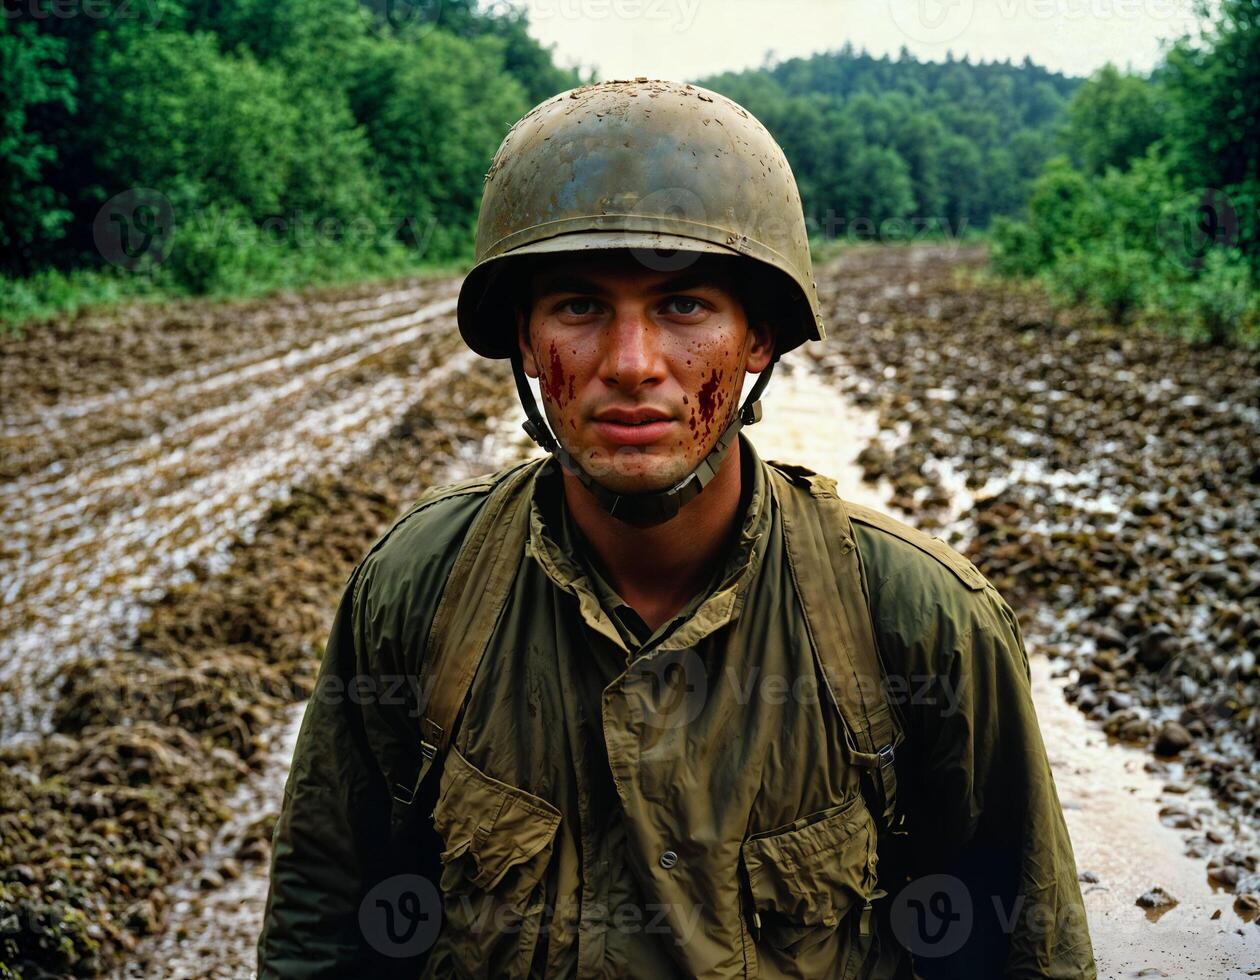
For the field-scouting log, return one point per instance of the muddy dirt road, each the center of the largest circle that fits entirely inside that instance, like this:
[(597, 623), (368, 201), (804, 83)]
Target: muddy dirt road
[(185, 492), (166, 442)]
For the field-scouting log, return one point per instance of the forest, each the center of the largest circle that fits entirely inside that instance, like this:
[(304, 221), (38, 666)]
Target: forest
[(241, 147)]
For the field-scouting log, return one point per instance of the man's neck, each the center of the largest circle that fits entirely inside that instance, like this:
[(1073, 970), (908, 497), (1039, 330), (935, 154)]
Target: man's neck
[(657, 570)]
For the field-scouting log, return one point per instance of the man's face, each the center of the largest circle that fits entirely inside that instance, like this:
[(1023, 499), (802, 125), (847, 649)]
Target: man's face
[(640, 370)]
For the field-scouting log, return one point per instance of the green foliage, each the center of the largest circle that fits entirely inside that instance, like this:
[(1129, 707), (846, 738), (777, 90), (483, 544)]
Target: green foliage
[(294, 140), (434, 110), (33, 77), (881, 187), (1156, 216), (934, 145), (226, 127), (1106, 275), (1218, 305), (1110, 120)]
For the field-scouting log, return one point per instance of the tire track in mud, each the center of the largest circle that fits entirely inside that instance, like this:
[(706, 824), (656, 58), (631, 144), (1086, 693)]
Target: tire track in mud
[(19, 420), (160, 409), (89, 540)]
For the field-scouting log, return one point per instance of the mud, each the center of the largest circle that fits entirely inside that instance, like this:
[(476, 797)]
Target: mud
[(144, 486), (1110, 800), (189, 499)]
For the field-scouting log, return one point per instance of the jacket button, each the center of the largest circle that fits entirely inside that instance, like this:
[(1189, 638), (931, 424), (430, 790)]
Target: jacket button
[(668, 860)]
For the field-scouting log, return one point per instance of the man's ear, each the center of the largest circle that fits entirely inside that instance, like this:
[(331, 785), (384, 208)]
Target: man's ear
[(761, 352), (522, 341)]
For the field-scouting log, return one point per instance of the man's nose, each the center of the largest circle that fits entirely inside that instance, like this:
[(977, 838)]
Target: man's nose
[(632, 355)]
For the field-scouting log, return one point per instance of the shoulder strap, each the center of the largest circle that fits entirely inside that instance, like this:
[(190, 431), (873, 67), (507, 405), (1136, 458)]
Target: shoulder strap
[(833, 594), (935, 547), (472, 600)]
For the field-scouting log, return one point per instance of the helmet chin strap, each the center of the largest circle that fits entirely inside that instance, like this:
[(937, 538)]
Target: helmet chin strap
[(652, 507)]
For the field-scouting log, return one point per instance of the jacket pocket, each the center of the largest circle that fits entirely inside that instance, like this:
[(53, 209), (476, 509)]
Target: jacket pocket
[(807, 876), (497, 842)]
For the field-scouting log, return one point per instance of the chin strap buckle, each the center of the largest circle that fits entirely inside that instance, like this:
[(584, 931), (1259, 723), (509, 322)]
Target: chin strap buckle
[(535, 433), (750, 414)]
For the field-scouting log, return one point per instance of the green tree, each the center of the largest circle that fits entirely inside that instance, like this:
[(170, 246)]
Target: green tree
[(1213, 88), (434, 109), (33, 76), (879, 187), (1110, 120)]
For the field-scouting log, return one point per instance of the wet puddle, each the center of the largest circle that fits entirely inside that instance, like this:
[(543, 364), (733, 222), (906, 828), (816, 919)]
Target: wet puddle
[(1112, 804)]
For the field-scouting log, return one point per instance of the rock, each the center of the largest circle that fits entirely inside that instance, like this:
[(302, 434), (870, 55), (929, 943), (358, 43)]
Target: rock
[(1172, 738), (1155, 899), (142, 918), (1156, 648), (1108, 638), (1225, 875), (253, 851), (209, 881), (1119, 700), (1247, 905), (1088, 876), (1176, 817)]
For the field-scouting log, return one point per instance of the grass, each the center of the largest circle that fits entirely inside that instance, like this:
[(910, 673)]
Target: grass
[(50, 294)]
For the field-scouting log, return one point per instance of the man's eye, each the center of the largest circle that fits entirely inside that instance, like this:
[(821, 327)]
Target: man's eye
[(578, 307), (685, 305)]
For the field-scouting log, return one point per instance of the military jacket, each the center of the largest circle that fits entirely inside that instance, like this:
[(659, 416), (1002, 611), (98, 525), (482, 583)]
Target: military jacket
[(618, 802)]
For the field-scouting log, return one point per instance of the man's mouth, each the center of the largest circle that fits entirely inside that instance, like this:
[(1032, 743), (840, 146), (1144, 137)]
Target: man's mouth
[(633, 426)]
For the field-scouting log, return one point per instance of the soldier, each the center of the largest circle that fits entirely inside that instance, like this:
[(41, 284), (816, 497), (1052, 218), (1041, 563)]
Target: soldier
[(650, 706)]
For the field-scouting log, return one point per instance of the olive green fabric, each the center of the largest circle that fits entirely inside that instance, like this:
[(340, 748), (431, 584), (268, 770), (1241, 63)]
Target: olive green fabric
[(684, 807)]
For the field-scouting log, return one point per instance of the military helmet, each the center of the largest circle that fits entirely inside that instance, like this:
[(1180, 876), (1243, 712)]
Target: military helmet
[(663, 168)]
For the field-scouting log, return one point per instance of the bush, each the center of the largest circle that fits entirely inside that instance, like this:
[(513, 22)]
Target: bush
[(1105, 276), (1219, 305), (1015, 248)]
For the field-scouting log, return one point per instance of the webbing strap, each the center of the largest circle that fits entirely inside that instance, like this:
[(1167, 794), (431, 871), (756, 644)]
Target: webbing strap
[(837, 614), (472, 601)]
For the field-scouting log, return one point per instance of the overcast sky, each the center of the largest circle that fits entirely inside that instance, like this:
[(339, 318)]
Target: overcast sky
[(687, 39)]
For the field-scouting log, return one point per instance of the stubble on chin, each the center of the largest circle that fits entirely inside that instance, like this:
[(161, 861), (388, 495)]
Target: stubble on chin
[(635, 469)]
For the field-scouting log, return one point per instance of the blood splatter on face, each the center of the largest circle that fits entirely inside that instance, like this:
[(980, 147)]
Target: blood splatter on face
[(709, 397), (553, 382), (606, 336)]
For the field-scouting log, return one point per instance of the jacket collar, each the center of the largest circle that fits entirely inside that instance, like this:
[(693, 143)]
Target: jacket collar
[(551, 547)]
